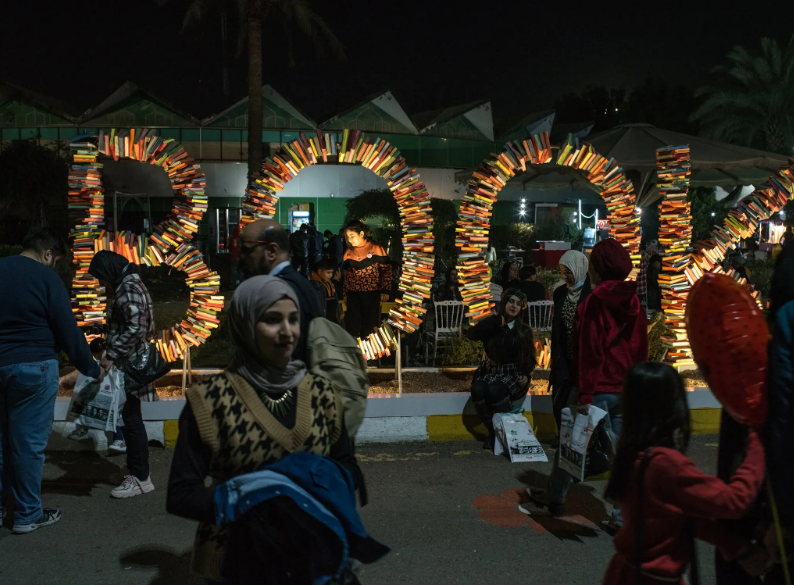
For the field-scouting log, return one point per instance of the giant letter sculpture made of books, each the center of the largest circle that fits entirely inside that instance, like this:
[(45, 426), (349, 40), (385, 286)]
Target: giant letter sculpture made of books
[(168, 245), (352, 147)]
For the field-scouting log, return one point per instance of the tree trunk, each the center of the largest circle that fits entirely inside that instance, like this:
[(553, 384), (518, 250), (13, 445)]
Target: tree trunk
[(254, 94)]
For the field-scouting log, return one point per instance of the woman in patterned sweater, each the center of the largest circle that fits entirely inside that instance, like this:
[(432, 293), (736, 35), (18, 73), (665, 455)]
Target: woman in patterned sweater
[(367, 280), (262, 408)]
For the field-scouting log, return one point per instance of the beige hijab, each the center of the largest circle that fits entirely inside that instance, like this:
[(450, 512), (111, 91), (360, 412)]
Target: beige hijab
[(251, 299)]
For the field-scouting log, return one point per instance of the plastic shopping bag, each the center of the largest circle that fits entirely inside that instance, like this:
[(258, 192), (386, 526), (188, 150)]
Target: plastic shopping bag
[(514, 435), (575, 437), (96, 405)]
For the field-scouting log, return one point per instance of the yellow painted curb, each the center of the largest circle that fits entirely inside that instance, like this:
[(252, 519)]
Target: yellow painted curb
[(171, 432), (457, 427), (705, 421)]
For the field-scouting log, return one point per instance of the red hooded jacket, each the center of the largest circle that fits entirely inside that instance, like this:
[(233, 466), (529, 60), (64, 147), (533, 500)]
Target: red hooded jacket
[(613, 336)]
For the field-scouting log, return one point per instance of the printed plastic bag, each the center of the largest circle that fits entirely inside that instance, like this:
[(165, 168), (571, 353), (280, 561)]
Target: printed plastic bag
[(514, 435), (575, 437), (96, 405)]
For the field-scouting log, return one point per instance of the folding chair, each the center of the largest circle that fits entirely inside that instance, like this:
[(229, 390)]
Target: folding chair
[(449, 324)]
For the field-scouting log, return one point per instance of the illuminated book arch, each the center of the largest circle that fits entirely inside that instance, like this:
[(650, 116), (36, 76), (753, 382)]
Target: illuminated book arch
[(168, 245), (352, 147)]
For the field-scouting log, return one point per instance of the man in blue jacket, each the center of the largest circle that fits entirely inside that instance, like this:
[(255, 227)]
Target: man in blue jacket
[(36, 322)]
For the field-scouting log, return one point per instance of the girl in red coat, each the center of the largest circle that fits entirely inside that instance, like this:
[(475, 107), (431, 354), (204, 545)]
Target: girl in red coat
[(665, 499)]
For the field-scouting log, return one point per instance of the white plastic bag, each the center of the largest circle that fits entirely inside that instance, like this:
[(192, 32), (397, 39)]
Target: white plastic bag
[(97, 405), (514, 435), (574, 437)]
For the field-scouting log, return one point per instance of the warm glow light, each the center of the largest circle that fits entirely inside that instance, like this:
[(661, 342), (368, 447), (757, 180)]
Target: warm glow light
[(638, 210)]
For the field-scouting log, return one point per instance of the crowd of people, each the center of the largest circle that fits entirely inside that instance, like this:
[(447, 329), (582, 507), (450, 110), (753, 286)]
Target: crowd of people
[(271, 422)]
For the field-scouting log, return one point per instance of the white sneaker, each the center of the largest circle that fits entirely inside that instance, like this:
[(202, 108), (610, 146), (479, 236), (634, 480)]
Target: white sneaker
[(132, 487), (118, 446), (78, 434)]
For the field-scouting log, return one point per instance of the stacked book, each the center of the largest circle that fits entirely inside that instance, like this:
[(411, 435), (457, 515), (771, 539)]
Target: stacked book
[(85, 203), (476, 208), (383, 159), (379, 344), (617, 191), (543, 354), (742, 221), (679, 272)]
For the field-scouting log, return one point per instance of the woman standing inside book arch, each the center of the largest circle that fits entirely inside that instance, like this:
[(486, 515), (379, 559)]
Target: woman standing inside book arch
[(130, 327), (506, 369), (366, 279), (567, 299)]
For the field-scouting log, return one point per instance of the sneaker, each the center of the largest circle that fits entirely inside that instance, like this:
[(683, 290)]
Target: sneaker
[(118, 446), (131, 487), (538, 498), (78, 434), (49, 516)]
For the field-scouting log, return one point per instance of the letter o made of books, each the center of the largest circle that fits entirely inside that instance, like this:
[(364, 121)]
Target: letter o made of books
[(168, 245), (492, 174), (352, 147)]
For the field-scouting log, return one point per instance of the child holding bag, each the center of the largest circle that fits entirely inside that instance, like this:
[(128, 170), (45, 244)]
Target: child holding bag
[(666, 501)]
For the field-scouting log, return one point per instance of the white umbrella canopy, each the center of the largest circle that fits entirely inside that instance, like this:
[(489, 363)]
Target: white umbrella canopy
[(714, 163)]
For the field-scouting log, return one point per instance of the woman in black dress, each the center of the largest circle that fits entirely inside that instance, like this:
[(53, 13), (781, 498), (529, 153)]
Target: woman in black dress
[(503, 377)]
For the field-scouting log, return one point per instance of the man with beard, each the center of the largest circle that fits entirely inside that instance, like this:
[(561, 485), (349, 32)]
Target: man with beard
[(264, 249)]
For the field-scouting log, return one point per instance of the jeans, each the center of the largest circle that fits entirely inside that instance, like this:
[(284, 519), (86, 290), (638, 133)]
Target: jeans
[(27, 409), (560, 480), (136, 438)]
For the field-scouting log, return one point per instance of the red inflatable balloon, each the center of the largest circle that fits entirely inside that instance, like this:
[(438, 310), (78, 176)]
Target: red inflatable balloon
[(728, 334)]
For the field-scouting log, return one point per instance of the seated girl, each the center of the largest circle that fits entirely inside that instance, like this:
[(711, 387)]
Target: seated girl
[(503, 377)]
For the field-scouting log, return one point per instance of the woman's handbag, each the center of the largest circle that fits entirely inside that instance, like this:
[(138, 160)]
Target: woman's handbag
[(146, 365)]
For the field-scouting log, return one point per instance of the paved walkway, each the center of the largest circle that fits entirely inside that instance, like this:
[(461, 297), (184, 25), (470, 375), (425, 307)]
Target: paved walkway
[(448, 510)]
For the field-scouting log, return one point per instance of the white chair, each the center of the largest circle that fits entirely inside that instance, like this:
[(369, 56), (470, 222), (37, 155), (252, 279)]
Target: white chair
[(540, 315), (448, 324)]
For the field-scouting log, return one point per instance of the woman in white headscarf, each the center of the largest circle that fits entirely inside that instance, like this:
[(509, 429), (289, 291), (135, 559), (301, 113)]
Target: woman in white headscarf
[(262, 408), (567, 298)]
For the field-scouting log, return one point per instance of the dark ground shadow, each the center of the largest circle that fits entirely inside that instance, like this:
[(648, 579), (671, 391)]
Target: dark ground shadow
[(84, 470), (173, 567), (583, 513)]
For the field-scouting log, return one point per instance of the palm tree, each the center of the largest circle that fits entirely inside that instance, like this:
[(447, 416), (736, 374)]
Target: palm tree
[(251, 16), (755, 105)]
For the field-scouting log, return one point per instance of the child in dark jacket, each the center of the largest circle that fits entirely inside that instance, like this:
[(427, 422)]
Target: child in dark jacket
[(665, 499), (322, 282)]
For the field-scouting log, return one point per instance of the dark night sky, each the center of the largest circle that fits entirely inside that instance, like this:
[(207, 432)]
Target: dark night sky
[(519, 54)]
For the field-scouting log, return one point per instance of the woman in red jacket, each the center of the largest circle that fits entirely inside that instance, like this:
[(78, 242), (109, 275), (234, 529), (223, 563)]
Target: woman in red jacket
[(665, 499), (612, 336)]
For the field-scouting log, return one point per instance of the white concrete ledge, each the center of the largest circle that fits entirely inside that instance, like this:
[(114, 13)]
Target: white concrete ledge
[(391, 405)]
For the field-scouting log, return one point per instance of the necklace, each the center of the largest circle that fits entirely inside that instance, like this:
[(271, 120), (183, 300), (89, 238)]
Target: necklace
[(278, 406)]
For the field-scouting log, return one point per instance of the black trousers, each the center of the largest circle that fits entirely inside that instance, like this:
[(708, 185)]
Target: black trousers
[(135, 437), (363, 313), (301, 265), (489, 398)]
